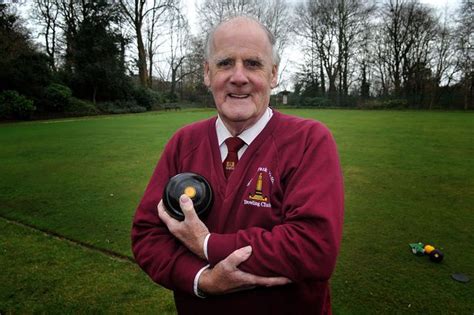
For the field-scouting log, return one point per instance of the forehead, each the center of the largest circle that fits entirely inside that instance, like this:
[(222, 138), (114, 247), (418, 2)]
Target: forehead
[(241, 36)]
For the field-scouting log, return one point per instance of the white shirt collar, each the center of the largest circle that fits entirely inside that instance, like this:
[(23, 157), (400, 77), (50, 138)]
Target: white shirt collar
[(248, 135)]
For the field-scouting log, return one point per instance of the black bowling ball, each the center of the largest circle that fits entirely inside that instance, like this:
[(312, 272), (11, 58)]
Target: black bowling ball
[(195, 187), (436, 256)]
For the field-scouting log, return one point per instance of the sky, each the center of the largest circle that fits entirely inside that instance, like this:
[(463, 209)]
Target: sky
[(190, 6), (288, 66), (293, 53)]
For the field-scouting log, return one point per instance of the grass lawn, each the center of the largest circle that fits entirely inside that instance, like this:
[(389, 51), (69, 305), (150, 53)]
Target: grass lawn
[(43, 274), (409, 177)]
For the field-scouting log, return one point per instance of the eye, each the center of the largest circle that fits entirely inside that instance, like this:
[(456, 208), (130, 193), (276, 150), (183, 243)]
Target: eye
[(253, 64), (224, 63)]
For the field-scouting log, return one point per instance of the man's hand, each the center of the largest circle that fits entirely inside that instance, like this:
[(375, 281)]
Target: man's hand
[(192, 231), (225, 277)]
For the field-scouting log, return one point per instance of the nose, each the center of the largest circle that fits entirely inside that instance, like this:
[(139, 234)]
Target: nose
[(239, 77)]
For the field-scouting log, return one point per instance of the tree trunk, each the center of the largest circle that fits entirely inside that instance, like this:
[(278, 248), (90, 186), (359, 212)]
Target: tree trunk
[(332, 87), (142, 68), (323, 81), (468, 87), (150, 67), (122, 53), (94, 94), (434, 94), (173, 81)]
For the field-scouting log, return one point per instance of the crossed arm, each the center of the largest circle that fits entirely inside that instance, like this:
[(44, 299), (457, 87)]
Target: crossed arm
[(225, 276), (304, 246)]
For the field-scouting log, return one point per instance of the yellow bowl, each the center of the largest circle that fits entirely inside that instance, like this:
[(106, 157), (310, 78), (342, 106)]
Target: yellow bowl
[(428, 249)]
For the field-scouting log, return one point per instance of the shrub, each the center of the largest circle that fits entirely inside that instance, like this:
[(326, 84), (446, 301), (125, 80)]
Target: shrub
[(383, 104), (57, 97), (171, 97), (370, 104), (120, 107), (146, 98), (110, 108), (14, 105), (395, 103), (316, 102), (81, 108)]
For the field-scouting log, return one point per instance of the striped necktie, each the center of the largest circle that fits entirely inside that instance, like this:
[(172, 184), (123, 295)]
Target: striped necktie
[(233, 146)]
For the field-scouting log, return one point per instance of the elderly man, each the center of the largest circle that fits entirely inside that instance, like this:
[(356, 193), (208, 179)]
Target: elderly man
[(270, 241)]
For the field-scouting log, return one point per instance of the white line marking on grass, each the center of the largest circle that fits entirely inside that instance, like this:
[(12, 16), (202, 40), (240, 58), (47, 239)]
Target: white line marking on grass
[(71, 120), (107, 252)]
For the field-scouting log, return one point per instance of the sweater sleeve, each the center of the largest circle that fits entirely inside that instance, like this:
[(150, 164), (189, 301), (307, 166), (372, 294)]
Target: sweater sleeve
[(156, 251), (305, 245)]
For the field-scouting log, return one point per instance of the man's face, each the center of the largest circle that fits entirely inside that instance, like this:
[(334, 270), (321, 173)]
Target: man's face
[(240, 72)]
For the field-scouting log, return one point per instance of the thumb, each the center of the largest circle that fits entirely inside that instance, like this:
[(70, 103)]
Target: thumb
[(187, 206), (239, 256)]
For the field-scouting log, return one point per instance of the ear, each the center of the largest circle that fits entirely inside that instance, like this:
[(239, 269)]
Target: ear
[(207, 80), (274, 81)]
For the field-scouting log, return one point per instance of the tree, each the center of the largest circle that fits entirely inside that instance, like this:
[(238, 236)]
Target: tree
[(442, 59), (307, 83), (381, 73), (136, 11), (464, 50), (417, 74), (153, 35), (274, 14), (353, 17), (193, 65), (397, 23), (70, 18), (98, 69), (365, 60), (408, 34), (22, 67), (178, 43), (318, 21), (46, 13), (212, 12), (333, 31), (312, 69)]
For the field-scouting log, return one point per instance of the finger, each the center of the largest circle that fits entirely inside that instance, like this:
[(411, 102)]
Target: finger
[(273, 281), (255, 280), (242, 288), (164, 216), (238, 256), (187, 206)]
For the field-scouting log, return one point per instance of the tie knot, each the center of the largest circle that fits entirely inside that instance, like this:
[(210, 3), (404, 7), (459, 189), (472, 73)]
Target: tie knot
[(234, 144)]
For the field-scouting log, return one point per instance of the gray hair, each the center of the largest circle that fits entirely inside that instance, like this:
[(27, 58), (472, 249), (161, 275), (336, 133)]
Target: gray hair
[(270, 36)]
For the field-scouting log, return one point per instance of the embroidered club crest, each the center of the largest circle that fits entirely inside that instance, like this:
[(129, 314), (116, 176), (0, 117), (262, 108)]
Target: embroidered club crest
[(258, 195)]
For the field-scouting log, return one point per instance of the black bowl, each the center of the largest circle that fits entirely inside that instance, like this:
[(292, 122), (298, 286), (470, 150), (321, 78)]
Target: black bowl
[(195, 186)]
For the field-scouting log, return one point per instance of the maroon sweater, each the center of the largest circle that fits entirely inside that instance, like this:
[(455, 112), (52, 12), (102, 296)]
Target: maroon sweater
[(285, 199)]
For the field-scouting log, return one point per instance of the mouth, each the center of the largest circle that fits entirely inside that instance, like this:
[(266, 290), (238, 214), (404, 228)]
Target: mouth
[(238, 96)]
